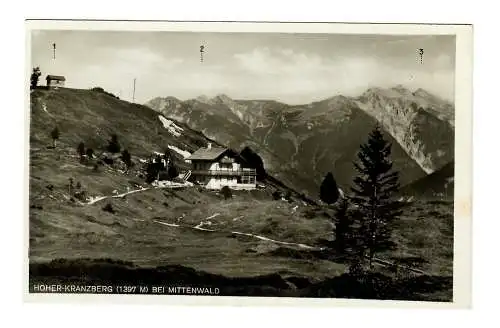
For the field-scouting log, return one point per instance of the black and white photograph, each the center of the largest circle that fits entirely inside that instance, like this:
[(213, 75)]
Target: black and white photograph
[(300, 162)]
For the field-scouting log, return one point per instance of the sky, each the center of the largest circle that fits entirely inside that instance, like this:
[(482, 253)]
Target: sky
[(292, 68)]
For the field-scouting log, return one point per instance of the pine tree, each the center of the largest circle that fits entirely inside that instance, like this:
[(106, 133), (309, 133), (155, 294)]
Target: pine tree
[(34, 77), (372, 193), (54, 134), (329, 192)]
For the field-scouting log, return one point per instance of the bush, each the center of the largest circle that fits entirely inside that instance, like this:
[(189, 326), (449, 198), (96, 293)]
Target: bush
[(162, 176), (113, 145), (108, 161), (127, 158), (226, 192), (172, 172), (81, 195), (54, 134), (80, 149), (89, 153), (152, 171), (310, 214), (108, 208), (276, 195)]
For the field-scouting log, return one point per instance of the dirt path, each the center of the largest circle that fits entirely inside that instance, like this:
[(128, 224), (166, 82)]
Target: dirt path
[(97, 199), (198, 227), (277, 241)]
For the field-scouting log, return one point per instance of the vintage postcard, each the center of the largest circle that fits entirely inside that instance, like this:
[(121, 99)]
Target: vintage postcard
[(248, 163)]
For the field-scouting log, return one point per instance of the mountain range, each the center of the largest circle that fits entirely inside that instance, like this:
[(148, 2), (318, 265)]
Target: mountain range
[(299, 144)]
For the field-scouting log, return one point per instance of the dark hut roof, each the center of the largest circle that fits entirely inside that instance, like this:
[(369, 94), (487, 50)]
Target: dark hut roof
[(56, 77), (207, 154)]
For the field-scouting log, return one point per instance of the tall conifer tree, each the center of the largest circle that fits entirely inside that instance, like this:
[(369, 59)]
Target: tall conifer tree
[(373, 192)]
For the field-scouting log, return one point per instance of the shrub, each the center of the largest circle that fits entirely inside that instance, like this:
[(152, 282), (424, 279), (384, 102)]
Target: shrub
[(172, 172), (80, 149), (108, 160), (54, 134), (276, 195), (127, 158), (162, 175), (113, 145), (108, 208), (81, 195), (310, 214), (226, 192), (90, 153), (152, 171)]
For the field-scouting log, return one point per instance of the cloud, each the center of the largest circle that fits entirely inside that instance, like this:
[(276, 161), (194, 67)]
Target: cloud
[(293, 70), (277, 61), (292, 75)]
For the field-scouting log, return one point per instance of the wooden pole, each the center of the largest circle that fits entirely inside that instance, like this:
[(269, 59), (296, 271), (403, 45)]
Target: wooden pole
[(133, 95)]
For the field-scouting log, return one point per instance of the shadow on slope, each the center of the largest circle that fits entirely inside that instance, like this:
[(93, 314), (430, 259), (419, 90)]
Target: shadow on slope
[(108, 271)]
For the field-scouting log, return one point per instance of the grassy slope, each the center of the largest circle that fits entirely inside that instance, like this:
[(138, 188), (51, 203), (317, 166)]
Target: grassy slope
[(61, 228), (91, 117)]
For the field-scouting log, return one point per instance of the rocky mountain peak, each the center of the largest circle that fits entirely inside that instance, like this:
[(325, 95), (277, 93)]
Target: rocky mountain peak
[(401, 89), (203, 99), (223, 98)]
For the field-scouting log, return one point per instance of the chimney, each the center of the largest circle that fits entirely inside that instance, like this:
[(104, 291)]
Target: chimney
[(209, 145)]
